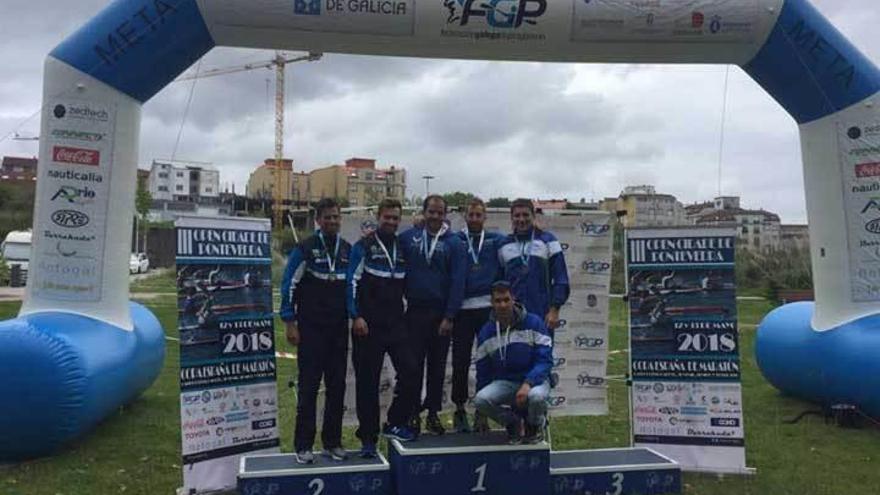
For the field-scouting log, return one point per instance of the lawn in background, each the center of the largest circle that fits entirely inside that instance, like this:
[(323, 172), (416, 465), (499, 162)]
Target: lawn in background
[(137, 449)]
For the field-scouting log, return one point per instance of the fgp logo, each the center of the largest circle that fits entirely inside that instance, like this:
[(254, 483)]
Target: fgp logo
[(591, 229), (556, 401), (596, 266), (307, 7), (557, 362), (502, 14)]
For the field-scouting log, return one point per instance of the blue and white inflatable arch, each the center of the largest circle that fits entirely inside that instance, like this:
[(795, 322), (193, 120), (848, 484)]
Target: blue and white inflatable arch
[(79, 348)]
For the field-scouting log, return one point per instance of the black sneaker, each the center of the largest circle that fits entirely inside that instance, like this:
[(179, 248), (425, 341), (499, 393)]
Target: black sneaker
[(460, 421), (513, 433), (481, 423), (433, 424), (415, 425), (534, 434)]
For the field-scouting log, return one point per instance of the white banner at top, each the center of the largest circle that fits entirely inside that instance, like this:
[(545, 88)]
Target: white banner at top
[(552, 30)]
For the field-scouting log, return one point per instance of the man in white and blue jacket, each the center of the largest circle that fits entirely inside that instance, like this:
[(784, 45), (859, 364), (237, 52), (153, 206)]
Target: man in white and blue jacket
[(435, 277), (534, 265), (313, 311), (514, 359)]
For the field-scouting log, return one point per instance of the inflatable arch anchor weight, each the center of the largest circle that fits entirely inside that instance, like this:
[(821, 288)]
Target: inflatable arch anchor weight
[(79, 348)]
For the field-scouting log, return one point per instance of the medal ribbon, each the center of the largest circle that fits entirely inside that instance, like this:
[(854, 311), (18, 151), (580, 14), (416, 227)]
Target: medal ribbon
[(475, 255), (392, 258), (429, 254), (525, 250), (331, 262)]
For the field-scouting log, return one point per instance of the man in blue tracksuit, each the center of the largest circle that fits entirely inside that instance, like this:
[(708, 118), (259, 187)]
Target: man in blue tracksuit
[(375, 290), (482, 270), (434, 290), (313, 311), (514, 358), (534, 265)]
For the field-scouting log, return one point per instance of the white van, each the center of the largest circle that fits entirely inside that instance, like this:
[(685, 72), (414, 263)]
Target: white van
[(16, 249)]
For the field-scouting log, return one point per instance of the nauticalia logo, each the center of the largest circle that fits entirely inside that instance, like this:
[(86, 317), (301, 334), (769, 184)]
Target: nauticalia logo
[(76, 156)]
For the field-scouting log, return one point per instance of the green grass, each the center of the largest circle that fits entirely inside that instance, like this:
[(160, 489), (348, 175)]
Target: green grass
[(137, 449)]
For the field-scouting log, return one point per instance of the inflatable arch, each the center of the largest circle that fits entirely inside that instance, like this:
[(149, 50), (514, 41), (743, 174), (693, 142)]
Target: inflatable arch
[(79, 348)]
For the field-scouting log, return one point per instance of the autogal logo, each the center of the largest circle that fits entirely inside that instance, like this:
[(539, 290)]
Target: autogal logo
[(70, 219), (501, 14)]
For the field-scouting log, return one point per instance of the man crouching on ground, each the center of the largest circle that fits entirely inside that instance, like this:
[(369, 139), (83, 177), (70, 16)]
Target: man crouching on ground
[(514, 358)]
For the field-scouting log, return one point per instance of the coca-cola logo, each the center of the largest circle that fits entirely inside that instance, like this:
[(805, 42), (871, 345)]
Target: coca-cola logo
[(864, 170), (76, 156), (70, 219)]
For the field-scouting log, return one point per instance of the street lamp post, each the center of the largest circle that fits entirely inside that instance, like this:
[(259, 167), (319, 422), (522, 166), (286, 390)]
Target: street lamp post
[(428, 179)]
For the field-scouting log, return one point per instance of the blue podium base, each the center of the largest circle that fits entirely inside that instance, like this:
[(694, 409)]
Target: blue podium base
[(639, 471), (280, 474), (469, 464)]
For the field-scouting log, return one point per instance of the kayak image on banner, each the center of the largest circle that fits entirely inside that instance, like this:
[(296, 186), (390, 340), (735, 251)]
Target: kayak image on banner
[(667, 304), (686, 395), (208, 294)]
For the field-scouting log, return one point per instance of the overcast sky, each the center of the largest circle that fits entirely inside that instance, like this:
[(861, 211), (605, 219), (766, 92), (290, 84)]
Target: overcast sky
[(494, 129)]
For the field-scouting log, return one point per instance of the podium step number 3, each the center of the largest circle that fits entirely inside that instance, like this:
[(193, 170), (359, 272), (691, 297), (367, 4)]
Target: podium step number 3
[(626, 471)]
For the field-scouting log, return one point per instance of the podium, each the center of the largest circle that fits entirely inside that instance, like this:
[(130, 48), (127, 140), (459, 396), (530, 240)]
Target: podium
[(280, 474), (639, 471), (460, 464), (466, 465)]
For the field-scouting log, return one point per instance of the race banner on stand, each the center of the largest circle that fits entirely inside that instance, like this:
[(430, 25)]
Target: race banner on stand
[(228, 394), (580, 344), (686, 395)]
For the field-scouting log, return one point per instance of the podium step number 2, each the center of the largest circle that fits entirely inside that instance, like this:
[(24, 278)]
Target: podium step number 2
[(280, 474)]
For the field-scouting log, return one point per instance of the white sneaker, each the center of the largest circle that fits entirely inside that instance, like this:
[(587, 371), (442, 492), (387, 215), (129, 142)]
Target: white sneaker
[(336, 453), (305, 457)]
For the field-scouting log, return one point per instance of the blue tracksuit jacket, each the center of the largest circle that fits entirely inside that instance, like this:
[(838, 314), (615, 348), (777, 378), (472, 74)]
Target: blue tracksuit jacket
[(524, 353), (478, 285), (535, 267), (438, 284), (309, 288)]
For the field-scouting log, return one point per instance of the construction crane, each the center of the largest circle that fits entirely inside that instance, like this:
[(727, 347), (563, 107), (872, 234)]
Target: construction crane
[(279, 63)]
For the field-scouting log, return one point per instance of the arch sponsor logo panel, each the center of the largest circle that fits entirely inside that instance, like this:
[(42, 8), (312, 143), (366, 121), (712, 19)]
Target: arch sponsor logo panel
[(70, 226)]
